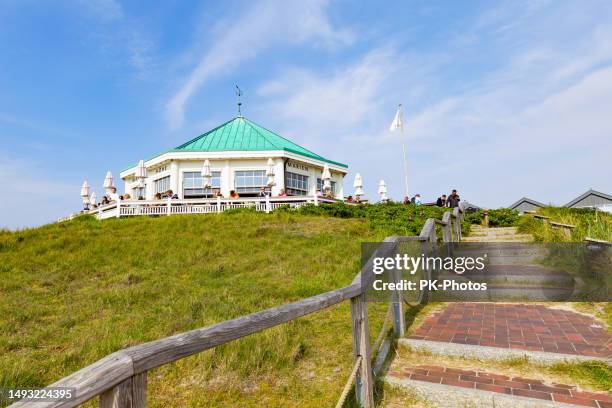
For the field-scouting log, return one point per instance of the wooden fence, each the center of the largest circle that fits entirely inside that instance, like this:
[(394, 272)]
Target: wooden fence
[(120, 379)]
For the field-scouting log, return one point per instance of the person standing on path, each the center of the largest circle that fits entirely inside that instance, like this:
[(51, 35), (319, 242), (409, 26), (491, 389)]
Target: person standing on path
[(453, 200)]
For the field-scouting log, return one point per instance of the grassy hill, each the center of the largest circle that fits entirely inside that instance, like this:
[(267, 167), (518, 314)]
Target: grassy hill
[(74, 292)]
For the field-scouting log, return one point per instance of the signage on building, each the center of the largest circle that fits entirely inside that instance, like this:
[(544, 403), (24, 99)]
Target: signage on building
[(297, 167)]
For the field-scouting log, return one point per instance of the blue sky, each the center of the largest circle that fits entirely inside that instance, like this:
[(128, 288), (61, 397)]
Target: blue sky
[(502, 99)]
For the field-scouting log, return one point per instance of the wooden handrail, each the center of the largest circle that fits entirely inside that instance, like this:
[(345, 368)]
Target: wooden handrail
[(597, 241)]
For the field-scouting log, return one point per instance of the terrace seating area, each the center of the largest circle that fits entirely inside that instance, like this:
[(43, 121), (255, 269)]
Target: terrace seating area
[(164, 207)]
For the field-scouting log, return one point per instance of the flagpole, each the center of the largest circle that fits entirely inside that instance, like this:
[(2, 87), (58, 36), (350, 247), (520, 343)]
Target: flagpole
[(405, 162), (398, 122)]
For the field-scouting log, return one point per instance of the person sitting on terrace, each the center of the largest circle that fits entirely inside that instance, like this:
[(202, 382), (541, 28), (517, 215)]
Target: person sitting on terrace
[(349, 199), (329, 194), (158, 196), (170, 194), (234, 194), (217, 192), (263, 192), (126, 196), (105, 200), (282, 193)]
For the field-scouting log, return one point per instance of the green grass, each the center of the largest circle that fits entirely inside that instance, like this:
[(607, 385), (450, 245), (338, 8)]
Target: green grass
[(588, 222), (73, 292), (595, 374)]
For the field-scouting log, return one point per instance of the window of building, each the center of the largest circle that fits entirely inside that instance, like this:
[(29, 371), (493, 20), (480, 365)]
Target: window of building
[(320, 186), (250, 181), (193, 184), (138, 192), (296, 184), (162, 185)]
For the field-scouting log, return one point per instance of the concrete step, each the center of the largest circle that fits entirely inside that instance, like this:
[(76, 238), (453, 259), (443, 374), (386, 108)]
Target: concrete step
[(492, 234), (481, 228), (515, 274), (449, 349), (452, 387), (501, 238)]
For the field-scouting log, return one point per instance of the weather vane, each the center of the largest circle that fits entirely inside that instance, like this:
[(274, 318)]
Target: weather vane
[(238, 95)]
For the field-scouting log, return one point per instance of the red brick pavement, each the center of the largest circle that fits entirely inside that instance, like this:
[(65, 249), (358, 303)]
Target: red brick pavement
[(518, 326), (519, 386)]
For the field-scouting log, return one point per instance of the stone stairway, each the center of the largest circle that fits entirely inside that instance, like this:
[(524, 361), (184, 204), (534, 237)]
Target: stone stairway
[(499, 234), (461, 342)]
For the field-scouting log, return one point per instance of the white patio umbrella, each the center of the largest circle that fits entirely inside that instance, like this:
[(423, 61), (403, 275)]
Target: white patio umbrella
[(85, 189), (85, 193), (141, 170), (326, 176), (270, 173), (206, 174), (93, 199), (382, 190), (108, 182), (358, 184)]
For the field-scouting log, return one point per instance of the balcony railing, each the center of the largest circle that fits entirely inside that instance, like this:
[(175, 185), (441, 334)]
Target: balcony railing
[(126, 208)]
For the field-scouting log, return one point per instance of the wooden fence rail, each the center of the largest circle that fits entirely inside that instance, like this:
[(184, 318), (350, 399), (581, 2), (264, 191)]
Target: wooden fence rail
[(120, 379)]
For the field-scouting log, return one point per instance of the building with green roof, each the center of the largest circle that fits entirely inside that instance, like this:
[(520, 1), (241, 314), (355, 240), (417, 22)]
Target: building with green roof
[(242, 156)]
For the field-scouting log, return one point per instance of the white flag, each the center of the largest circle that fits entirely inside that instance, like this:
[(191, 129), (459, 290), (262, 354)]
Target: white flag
[(398, 121)]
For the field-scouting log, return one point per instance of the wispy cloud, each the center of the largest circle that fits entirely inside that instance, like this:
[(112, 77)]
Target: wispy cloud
[(264, 25)]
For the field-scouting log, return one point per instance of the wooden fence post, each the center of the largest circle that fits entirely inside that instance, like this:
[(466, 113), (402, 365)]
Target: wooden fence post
[(268, 206), (397, 299), (364, 382), (131, 393)]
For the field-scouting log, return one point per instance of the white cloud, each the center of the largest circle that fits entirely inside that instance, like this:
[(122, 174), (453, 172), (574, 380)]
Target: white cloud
[(265, 24)]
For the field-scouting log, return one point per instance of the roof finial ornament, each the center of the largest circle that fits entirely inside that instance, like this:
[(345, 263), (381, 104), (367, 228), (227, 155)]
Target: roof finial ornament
[(238, 95)]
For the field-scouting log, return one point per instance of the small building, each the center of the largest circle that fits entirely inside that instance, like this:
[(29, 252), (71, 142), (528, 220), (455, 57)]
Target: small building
[(591, 199), (526, 204), (239, 152)]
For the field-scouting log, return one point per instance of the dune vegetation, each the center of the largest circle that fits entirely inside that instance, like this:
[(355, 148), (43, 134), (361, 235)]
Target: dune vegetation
[(73, 292)]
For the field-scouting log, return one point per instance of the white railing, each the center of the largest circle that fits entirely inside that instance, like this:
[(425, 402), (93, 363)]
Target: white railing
[(125, 208)]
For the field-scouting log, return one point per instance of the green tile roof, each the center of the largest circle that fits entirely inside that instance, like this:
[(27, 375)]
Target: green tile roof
[(240, 134)]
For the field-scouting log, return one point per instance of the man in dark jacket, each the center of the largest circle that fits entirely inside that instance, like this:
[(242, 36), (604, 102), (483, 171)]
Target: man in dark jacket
[(453, 200), (441, 201)]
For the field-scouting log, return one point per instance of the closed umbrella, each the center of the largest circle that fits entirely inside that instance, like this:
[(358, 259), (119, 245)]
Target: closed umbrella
[(108, 182), (85, 189), (358, 184), (382, 190), (326, 176), (141, 171), (93, 199), (270, 173), (85, 194), (206, 174)]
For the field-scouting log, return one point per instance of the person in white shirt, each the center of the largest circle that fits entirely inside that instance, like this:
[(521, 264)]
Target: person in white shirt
[(113, 195)]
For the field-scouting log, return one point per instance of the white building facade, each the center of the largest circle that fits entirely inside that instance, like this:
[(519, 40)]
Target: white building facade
[(239, 152)]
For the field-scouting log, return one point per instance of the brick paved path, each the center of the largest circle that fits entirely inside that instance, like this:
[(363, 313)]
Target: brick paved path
[(518, 386), (518, 326)]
